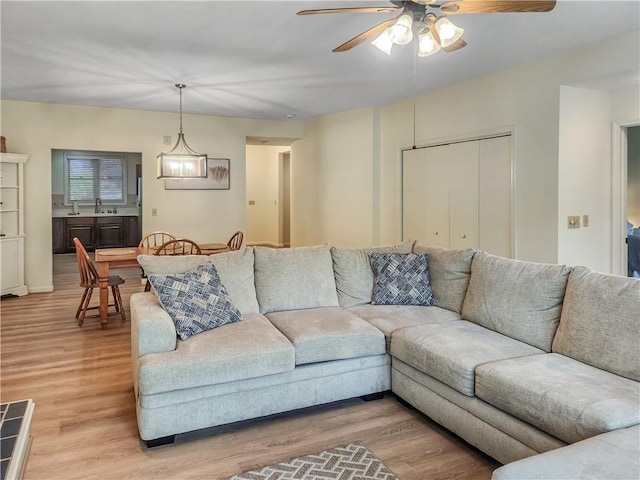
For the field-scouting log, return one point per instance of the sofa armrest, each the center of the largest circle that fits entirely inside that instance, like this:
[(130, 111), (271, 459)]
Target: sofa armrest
[(152, 330)]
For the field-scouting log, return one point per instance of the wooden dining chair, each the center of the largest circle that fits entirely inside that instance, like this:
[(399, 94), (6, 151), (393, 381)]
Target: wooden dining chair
[(153, 240), (177, 246), (235, 242), (89, 281)]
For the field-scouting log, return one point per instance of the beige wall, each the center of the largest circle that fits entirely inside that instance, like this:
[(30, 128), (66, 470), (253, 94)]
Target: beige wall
[(203, 215), (526, 97), (332, 180)]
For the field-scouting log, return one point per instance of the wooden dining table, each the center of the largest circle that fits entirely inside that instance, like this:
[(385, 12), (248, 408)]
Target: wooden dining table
[(106, 259)]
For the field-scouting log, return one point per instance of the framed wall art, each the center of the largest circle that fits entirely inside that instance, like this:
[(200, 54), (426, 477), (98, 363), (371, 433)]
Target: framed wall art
[(218, 178)]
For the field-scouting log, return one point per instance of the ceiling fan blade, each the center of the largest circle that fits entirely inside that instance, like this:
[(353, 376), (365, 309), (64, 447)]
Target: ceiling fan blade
[(349, 10), (455, 46), (357, 40), (497, 6)]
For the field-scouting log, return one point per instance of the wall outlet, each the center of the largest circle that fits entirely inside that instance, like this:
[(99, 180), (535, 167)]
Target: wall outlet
[(252, 202), (154, 212), (573, 221), (585, 221)]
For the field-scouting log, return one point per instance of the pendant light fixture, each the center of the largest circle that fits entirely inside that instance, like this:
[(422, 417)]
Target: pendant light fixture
[(182, 161)]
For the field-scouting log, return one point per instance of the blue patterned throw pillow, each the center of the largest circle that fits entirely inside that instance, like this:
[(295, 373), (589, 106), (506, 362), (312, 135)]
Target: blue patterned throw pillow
[(196, 300), (401, 279)]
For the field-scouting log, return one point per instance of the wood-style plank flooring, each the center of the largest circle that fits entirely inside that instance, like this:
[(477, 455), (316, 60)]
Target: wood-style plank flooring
[(84, 425)]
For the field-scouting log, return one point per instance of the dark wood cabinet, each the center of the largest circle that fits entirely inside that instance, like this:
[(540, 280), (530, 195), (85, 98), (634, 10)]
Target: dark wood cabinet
[(132, 231), (109, 232), (94, 232), (59, 226), (84, 229)]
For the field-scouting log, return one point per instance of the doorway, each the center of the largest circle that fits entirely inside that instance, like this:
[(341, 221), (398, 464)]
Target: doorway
[(633, 201), (268, 188)]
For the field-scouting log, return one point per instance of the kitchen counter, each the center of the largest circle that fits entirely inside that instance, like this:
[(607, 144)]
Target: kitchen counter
[(122, 212)]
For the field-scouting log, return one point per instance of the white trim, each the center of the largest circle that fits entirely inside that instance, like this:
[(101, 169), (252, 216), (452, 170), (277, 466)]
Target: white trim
[(619, 195)]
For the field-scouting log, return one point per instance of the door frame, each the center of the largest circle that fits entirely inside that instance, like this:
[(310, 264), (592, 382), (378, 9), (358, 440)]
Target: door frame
[(619, 195)]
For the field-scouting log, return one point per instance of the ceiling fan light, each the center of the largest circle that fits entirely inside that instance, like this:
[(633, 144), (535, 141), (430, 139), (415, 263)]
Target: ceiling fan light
[(383, 42), (427, 44), (448, 32), (400, 32)]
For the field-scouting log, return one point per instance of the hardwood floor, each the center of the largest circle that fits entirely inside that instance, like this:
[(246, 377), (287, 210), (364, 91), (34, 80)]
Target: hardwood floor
[(84, 424)]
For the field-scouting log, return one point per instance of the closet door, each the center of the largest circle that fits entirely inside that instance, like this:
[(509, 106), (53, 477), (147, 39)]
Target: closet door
[(413, 194), (436, 196), (495, 184), (463, 165)]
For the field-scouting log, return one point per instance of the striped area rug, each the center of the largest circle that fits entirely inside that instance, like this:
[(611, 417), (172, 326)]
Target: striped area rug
[(350, 462)]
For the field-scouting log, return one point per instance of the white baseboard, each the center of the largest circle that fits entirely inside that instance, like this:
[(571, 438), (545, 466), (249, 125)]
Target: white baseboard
[(41, 289)]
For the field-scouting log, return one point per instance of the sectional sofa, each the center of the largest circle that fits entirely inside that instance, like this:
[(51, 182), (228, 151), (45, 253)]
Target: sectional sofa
[(517, 358)]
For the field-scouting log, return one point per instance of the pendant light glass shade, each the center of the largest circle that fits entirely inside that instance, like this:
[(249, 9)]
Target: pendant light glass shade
[(182, 161), (383, 42), (400, 32), (448, 32)]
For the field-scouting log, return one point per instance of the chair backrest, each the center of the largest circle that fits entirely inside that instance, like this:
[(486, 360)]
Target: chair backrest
[(88, 272), (235, 242), (153, 240), (178, 246)]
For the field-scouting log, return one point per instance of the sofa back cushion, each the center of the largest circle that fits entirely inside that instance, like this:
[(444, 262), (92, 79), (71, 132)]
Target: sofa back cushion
[(449, 274), (600, 322), (235, 270), (353, 272), (236, 274), (522, 300), (294, 278)]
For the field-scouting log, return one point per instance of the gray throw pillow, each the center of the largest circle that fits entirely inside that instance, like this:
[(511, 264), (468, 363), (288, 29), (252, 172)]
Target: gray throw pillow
[(401, 279), (196, 300)]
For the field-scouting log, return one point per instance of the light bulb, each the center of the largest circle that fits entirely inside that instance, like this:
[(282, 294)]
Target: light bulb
[(427, 44)]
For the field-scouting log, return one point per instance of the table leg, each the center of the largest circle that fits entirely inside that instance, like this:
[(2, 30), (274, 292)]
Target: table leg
[(103, 279)]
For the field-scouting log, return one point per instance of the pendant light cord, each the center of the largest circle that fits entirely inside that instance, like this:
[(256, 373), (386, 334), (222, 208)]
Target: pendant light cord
[(180, 87), (415, 89)]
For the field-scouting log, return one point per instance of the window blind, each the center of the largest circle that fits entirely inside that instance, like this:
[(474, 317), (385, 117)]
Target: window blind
[(92, 177)]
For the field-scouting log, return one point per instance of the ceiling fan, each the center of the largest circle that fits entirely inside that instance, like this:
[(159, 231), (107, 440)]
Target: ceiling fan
[(428, 19)]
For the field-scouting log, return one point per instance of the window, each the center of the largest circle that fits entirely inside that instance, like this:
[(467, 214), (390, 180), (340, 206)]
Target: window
[(91, 176)]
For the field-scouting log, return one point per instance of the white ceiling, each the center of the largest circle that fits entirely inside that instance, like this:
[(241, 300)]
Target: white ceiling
[(258, 59)]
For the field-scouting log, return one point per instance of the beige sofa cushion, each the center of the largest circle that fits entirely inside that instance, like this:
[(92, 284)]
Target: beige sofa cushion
[(324, 334), (559, 395), (522, 300), (353, 273), (449, 274), (612, 456), (234, 268), (236, 274), (389, 318), (294, 278), (451, 351), (237, 351), (600, 322)]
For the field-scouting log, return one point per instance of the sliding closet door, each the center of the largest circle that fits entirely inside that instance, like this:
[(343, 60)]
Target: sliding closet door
[(459, 195), (495, 183), (462, 162), (413, 194)]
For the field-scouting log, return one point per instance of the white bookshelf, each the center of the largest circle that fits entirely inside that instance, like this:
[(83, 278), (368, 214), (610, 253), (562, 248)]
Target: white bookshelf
[(12, 224)]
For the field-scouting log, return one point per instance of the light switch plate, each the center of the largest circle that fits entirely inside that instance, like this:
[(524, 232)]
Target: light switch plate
[(573, 221), (585, 221)]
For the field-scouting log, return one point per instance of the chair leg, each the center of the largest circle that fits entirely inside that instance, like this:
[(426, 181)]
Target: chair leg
[(84, 296), (87, 299), (117, 301)]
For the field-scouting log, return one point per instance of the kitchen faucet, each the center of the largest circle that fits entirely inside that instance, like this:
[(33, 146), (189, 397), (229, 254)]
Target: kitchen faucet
[(98, 208)]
